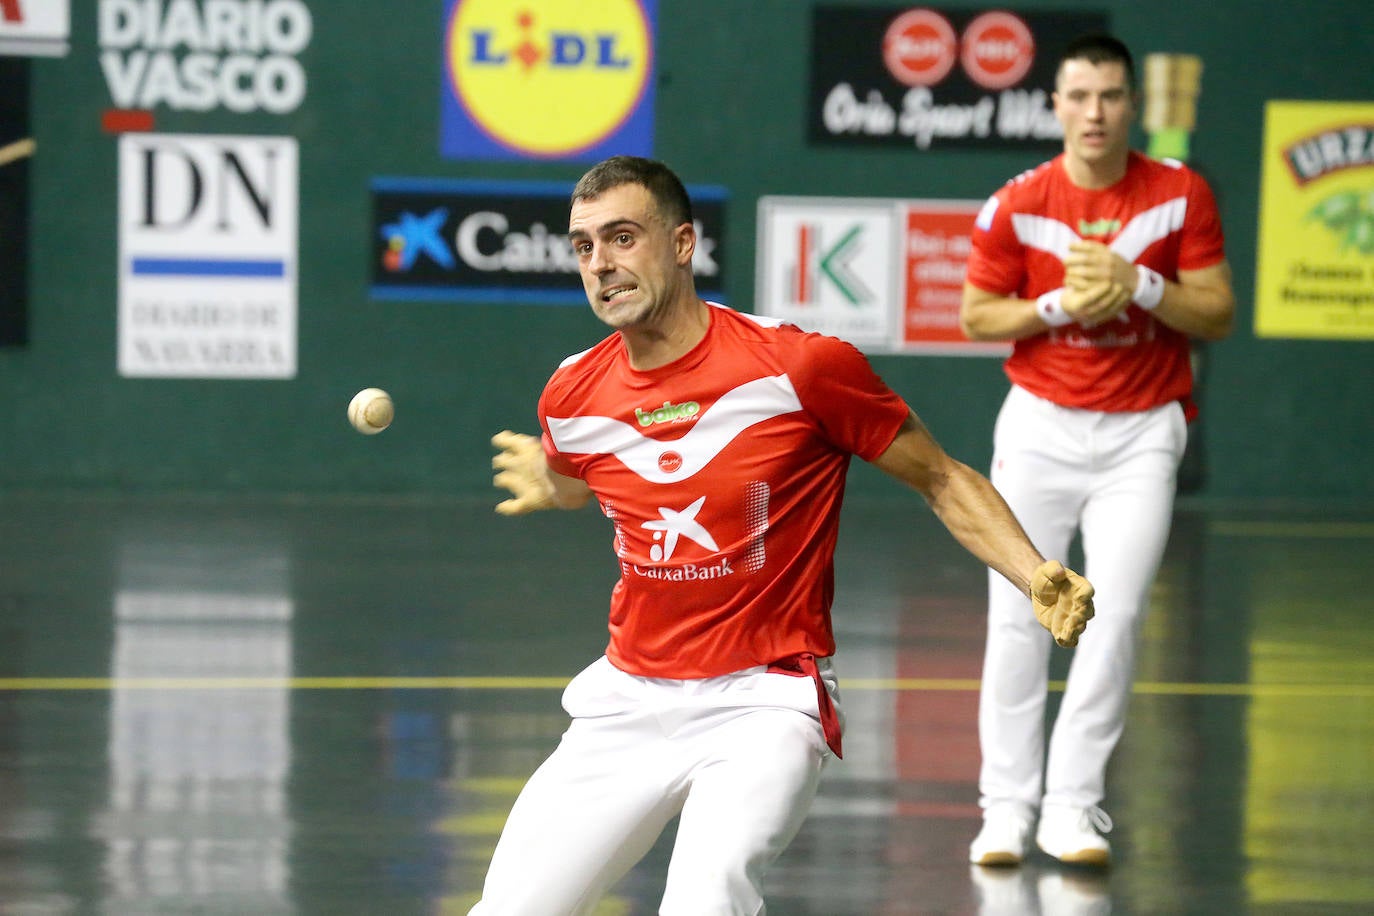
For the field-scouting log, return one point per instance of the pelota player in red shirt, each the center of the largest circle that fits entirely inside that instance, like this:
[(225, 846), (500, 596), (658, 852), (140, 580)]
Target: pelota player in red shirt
[(716, 443), (1099, 265)]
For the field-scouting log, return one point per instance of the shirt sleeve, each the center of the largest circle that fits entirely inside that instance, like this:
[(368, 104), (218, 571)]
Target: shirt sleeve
[(1203, 243), (996, 262), (558, 462), (856, 410)]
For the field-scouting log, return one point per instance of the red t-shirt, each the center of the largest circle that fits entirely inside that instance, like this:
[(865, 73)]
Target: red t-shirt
[(723, 474), (1161, 214)]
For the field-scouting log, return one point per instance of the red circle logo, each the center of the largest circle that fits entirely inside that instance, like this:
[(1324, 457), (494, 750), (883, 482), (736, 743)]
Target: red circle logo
[(668, 462), (919, 48), (998, 50)]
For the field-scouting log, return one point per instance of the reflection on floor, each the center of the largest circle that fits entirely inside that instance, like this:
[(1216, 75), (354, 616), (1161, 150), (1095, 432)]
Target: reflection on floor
[(294, 706)]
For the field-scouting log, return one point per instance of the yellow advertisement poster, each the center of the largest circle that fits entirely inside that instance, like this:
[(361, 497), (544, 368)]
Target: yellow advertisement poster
[(1315, 276)]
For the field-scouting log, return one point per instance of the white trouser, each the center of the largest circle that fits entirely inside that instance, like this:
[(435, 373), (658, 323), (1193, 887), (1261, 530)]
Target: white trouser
[(1113, 476), (738, 756)]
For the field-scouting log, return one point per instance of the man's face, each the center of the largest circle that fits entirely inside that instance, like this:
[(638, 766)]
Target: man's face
[(631, 261), (1095, 105)]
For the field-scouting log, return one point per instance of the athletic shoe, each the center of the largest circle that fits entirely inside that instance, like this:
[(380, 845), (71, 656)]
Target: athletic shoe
[(1072, 836), (1005, 836)]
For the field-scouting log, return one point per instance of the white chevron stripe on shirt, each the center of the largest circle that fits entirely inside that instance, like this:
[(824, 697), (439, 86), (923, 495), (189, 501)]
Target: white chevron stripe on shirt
[(733, 413), (1148, 227), (1145, 228), (1043, 234)]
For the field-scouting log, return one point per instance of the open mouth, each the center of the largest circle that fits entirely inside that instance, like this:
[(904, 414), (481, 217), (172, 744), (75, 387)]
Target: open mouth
[(616, 293)]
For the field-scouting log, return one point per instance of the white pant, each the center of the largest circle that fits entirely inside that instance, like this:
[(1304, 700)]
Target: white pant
[(739, 757), (1113, 476)]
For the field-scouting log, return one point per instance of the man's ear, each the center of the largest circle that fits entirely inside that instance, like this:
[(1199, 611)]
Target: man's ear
[(685, 242)]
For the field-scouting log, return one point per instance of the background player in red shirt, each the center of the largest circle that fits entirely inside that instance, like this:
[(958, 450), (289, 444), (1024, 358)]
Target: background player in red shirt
[(1099, 265), (716, 443)]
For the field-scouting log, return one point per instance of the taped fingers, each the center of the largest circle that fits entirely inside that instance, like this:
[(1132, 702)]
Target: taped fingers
[(1062, 601), (522, 472), (508, 441), (1079, 611)]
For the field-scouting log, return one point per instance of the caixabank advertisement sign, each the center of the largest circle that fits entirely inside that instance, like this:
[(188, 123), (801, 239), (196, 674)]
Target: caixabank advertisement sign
[(477, 240)]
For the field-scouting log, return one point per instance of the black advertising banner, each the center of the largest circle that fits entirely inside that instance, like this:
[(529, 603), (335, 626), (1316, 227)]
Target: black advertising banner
[(468, 240), (924, 79), (16, 147)]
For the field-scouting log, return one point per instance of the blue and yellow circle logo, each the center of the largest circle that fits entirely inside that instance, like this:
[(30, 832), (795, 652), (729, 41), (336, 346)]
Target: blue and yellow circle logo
[(549, 77)]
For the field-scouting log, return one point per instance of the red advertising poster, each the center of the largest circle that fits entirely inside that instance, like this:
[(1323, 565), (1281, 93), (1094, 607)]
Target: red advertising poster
[(935, 255)]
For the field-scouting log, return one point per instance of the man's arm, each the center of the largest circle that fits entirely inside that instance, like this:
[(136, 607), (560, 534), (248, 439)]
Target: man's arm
[(1201, 304), (976, 515), (964, 500), (986, 315), (522, 469)]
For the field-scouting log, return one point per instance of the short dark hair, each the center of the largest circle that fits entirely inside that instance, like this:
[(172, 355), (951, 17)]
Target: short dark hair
[(1099, 48), (669, 196)]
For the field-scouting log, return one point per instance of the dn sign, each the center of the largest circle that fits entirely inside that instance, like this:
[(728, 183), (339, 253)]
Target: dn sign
[(547, 79)]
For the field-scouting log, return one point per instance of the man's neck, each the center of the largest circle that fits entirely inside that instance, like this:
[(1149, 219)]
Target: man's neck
[(1094, 176), (657, 345)]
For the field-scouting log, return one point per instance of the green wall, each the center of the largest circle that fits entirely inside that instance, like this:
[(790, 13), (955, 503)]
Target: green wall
[(1283, 420)]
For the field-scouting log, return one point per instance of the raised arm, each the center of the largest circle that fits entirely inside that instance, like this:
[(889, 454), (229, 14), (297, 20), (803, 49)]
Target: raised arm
[(976, 515)]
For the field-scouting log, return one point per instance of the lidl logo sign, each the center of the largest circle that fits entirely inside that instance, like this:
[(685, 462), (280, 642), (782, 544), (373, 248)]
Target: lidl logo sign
[(547, 79)]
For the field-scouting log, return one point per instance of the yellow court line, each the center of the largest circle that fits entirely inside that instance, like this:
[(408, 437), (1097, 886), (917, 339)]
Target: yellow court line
[(1145, 687), (895, 685)]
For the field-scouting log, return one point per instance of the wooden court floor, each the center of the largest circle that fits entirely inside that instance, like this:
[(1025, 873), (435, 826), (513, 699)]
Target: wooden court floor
[(316, 706)]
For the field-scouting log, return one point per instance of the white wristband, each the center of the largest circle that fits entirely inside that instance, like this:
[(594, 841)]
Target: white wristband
[(1048, 307), (1149, 288)]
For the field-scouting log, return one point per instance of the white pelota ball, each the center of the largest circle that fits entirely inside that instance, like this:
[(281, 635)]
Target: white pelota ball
[(371, 411)]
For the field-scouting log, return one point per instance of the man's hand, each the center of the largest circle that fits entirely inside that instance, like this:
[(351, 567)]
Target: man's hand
[(1098, 283), (523, 471), (1092, 263), (1062, 600), (1092, 305)]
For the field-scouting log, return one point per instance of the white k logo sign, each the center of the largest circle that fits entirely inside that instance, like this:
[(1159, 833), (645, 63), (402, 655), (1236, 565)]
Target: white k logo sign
[(676, 524)]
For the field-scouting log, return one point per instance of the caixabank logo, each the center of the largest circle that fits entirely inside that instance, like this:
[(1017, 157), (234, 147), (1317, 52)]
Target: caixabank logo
[(547, 79)]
